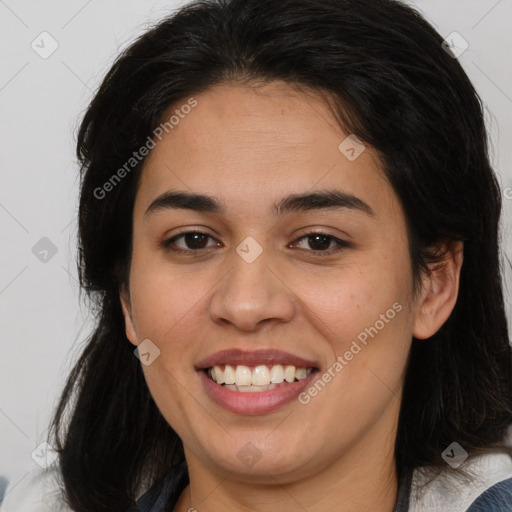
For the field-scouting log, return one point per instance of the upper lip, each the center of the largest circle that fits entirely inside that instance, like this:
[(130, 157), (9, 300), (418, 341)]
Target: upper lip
[(253, 358)]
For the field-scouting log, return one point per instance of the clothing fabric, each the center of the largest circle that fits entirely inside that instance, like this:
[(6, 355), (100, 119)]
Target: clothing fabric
[(489, 491), (448, 493), (498, 498)]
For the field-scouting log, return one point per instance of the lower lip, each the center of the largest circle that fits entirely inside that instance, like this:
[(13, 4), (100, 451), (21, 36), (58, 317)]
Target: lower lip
[(258, 402)]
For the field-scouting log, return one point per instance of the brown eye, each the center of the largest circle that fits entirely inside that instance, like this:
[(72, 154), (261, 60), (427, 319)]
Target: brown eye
[(190, 241), (321, 243), (195, 240)]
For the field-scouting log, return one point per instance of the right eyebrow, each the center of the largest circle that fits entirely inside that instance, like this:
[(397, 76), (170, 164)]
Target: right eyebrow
[(187, 201)]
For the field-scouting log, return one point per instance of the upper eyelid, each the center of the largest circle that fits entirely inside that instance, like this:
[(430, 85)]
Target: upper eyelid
[(173, 238), (168, 241)]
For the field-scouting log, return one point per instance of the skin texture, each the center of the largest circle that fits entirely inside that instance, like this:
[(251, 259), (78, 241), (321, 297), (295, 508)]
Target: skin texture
[(249, 147)]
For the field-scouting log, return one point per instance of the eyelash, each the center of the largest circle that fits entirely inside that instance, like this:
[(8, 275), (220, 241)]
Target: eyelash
[(340, 244)]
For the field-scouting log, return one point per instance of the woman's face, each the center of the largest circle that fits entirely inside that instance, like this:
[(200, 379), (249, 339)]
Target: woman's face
[(270, 281)]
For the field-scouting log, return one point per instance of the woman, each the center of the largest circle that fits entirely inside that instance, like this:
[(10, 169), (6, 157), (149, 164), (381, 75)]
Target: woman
[(289, 225)]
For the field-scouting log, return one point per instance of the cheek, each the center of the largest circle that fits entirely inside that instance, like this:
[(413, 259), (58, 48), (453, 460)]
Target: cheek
[(166, 304), (165, 299), (353, 298)]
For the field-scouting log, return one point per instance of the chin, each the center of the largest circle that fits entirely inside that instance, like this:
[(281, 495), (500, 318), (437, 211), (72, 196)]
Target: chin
[(242, 455)]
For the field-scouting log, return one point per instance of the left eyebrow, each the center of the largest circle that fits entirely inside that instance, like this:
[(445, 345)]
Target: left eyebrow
[(327, 199)]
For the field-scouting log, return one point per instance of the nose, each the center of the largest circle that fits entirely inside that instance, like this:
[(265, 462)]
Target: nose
[(251, 295)]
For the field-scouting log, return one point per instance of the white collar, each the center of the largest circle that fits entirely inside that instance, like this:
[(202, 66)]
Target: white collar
[(447, 493)]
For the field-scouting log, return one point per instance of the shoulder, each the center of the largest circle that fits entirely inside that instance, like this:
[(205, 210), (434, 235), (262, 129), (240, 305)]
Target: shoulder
[(490, 489), (165, 493), (38, 491), (496, 499)]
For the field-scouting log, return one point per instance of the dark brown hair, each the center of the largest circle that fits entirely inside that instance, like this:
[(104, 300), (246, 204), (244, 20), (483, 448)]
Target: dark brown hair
[(400, 92)]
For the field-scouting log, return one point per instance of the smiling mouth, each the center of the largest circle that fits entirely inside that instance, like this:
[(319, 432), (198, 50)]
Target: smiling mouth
[(259, 378)]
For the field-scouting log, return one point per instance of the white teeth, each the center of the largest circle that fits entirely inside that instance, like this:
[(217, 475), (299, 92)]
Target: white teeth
[(289, 373), (301, 373), (277, 374), (243, 376), (229, 374), (260, 378), (218, 375), (250, 389)]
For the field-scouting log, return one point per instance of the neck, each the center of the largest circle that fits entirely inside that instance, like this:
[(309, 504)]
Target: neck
[(362, 479)]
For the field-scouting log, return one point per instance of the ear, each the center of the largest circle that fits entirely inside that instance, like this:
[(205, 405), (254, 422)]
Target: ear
[(439, 291), (127, 313)]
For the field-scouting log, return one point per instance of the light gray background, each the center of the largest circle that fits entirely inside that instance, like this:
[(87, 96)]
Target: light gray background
[(43, 325)]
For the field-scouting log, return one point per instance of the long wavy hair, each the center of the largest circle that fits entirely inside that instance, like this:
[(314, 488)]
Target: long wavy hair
[(397, 89)]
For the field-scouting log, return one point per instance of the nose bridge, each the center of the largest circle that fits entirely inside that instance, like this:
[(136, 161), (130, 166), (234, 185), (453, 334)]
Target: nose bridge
[(250, 292)]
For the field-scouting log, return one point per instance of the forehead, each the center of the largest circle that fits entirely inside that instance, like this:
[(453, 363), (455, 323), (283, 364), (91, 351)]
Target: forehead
[(257, 144)]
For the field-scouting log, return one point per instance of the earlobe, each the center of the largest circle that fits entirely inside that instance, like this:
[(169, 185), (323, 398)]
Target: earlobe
[(127, 313), (439, 292)]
